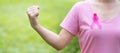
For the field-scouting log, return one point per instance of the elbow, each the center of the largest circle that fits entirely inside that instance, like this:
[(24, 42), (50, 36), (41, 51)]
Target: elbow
[(58, 49)]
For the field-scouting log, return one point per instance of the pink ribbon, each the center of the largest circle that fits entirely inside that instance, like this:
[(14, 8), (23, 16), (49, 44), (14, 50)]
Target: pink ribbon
[(96, 22)]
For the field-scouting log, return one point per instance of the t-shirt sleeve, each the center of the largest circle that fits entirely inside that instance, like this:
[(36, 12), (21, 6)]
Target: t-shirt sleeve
[(70, 23)]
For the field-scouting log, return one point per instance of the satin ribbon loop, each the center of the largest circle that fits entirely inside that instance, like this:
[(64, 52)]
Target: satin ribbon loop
[(95, 22)]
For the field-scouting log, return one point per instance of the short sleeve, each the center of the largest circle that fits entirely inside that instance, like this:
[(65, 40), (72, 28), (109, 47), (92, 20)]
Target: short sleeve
[(70, 23)]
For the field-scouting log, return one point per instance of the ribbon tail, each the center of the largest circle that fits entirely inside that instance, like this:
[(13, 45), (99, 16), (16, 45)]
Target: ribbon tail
[(92, 25), (99, 25)]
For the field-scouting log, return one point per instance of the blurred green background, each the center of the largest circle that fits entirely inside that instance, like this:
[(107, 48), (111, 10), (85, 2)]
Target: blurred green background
[(16, 34)]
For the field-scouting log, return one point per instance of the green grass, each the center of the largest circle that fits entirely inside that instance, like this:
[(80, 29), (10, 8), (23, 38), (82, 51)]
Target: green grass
[(16, 34)]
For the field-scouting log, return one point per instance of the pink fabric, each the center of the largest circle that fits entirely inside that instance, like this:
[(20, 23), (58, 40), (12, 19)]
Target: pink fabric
[(95, 35)]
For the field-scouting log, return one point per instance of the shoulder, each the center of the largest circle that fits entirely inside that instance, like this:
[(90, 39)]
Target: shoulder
[(80, 4)]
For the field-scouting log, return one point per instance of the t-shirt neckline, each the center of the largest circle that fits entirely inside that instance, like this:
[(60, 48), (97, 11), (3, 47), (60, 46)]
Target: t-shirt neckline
[(101, 20)]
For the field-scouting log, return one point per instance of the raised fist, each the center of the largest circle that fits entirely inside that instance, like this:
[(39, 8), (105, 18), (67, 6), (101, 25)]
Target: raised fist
[(33, 12)]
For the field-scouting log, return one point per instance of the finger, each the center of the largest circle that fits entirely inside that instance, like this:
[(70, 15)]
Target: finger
[(36, 6), (33, 8), (33, 11)]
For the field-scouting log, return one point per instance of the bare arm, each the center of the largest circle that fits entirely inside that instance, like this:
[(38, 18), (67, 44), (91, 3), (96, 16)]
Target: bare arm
[(55, 40)]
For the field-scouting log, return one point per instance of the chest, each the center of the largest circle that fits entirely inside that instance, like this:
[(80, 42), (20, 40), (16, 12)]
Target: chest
[(100, 29)]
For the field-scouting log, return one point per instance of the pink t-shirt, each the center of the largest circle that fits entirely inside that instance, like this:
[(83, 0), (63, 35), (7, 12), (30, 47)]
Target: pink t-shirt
[(95, 35)]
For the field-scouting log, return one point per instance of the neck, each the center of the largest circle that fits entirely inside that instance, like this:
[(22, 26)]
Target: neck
[(105, 1)]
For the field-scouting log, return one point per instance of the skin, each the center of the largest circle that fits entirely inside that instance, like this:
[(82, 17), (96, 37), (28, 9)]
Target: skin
[(110, 9)]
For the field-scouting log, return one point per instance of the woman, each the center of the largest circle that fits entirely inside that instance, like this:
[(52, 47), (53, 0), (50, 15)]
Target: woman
[(95, 21)]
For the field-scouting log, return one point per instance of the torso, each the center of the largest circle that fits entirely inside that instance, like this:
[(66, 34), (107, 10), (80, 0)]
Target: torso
[(99, 40)]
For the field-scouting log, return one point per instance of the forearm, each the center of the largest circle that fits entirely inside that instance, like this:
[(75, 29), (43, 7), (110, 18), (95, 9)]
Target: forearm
[(50, 37)]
